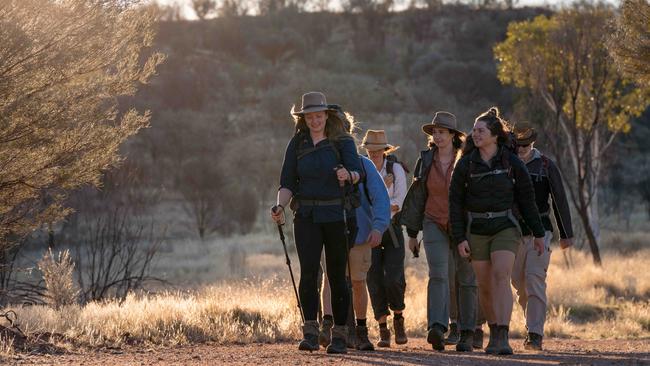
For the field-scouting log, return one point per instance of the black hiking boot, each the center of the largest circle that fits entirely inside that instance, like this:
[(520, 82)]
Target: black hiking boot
[(465, 342), (478, 339), (452, 337), (492, 342), (310, 336), (339, 343), (384, 337), (436, 337), (533, 342), (363, 343), (400, 331), (503, 344)]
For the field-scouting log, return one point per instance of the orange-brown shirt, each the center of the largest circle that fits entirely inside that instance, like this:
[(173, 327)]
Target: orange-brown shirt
[(437, 205)]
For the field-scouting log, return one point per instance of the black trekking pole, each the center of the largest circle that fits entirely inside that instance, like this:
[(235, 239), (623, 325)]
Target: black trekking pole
[(293, 281), (346, 204)]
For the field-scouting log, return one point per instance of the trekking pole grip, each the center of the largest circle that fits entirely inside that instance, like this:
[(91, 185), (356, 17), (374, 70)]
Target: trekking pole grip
[(341, 183)]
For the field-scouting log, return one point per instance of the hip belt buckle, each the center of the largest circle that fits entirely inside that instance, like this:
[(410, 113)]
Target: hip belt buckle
[(489, 215)]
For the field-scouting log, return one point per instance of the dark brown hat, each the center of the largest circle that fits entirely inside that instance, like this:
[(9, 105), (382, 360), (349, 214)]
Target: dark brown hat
[(311, 102), (525, 134), (444, 120)]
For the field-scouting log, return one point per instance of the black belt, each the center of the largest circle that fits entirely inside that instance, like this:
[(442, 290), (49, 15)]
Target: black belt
[(332, 202), (491, 215)]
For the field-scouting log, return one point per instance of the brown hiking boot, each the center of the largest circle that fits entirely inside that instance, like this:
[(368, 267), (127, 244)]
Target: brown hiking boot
[(533, 342), (478, 339), (325, 334), (310, 336), (503, 345), (339, 342), (384, 337), (436, 337), (492, 342), (452, 336), (400, 332), (465, 342), (363, 343)]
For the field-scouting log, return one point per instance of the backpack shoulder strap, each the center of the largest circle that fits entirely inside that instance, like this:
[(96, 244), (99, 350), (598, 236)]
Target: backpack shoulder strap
[(390, 160), (364, 180), (545, 163), (507, 163), (301, 153)]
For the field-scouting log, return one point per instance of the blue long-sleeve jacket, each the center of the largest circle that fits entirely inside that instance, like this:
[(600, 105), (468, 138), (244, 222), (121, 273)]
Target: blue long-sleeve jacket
[(375, 215), (313, 176)]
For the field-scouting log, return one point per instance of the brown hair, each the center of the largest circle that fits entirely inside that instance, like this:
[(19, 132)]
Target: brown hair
[(456, 141), (497, 125)]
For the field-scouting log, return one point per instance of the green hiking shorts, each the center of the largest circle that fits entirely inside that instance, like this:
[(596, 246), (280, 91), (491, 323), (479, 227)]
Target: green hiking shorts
[(481, 246)]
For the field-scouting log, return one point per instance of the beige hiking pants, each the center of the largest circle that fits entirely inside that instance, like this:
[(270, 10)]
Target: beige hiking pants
[(529, 279)]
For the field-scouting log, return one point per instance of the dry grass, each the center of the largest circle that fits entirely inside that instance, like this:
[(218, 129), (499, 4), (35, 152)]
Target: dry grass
[(586, 302)]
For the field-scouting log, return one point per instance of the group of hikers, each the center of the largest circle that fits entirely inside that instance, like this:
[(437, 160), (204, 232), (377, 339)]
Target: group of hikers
[(481, 202)]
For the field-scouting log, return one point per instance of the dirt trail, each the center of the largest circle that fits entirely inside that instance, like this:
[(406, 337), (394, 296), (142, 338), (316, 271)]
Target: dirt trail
[(417, 352)]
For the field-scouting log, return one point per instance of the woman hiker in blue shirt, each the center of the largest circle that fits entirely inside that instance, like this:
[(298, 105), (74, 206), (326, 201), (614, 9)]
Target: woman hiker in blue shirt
[(312, 175)]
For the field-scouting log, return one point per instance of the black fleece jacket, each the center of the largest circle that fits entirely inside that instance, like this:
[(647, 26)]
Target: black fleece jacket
[(512, 189)]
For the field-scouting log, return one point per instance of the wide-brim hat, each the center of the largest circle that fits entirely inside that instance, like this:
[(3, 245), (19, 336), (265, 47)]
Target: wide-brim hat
[(444, 120), (375, 140), (311, 102), (525, 134)]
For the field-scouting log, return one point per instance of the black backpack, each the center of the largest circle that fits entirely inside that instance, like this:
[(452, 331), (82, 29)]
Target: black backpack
[(391, 160)]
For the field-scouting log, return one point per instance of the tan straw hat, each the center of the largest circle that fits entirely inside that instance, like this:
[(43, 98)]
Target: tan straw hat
[(376, 140)]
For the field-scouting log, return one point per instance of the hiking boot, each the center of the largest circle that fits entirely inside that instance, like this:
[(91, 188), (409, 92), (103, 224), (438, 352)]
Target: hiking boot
[(492, 342), (533, 342), (478, 339), (452, 337), (400, 332), (384, 337), (503, 345), (339, 343), (465, 342), (325, 334), (310, 336), (351, 338), (436, 337), (363, 343)]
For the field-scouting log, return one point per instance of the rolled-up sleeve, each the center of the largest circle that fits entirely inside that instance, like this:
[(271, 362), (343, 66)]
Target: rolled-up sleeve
[(399, 186), (289, 174)]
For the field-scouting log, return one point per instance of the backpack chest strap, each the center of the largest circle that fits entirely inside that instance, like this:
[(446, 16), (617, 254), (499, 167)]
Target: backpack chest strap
[(492, 172)]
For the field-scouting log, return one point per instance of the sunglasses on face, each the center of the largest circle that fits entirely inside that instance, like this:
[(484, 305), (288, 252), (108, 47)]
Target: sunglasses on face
[(523, 145)]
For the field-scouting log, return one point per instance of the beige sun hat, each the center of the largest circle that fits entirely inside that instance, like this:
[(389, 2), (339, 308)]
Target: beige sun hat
[(375, 140)]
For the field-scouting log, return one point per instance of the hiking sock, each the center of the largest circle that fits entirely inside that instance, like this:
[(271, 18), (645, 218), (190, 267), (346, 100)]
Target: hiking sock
[(361, 322), (329, 317), (397, 316), (383, 325)]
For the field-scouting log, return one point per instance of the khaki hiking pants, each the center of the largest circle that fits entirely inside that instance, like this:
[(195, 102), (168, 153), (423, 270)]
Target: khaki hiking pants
[(529, 279)]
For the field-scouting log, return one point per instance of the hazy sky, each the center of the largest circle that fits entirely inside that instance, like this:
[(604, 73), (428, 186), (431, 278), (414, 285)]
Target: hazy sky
[(188, 13)]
